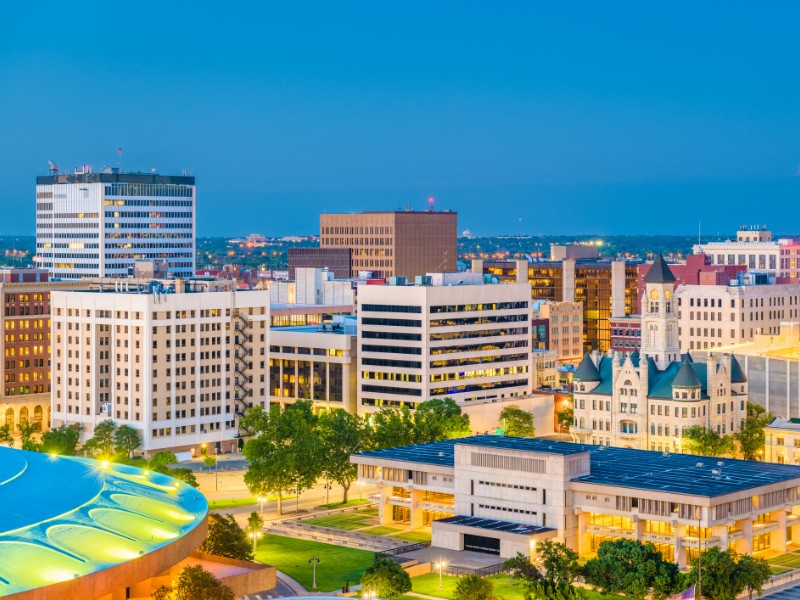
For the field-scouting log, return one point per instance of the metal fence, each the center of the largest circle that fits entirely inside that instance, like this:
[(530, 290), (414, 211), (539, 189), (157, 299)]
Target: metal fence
[(479, 571), (403, 549)]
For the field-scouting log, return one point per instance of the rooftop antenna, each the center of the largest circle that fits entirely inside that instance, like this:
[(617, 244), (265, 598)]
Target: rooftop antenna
[(430, 204), (698, 233), (53, 167)]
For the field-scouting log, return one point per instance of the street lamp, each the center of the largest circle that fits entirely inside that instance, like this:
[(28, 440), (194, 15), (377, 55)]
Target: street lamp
[(369, 595), (255, 535), (261, 499), (440, 565), (360, 489), (314, 561)]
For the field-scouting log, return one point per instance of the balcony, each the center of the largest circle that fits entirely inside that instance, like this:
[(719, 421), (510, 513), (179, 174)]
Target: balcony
[(705, 543), (658, 538), (764, 527), (580, 430)]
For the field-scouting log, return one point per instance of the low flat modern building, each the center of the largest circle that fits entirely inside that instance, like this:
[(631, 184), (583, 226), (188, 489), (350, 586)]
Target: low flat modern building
[(315, 362), (501, 495)]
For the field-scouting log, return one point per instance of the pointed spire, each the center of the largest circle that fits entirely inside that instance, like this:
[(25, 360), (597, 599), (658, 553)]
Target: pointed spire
[(659, 272), (737, 373), (587, 371)]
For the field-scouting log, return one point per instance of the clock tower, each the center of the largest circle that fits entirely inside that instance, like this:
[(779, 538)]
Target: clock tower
[(660, 316)]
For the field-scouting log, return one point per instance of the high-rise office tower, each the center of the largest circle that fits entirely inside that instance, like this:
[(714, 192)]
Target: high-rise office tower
[(392, 243), (99, 224)]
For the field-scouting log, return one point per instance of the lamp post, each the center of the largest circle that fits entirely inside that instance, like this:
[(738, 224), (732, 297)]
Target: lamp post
[(261, 500), (255, 535), (369, 595), (314, 561), (440, 565)]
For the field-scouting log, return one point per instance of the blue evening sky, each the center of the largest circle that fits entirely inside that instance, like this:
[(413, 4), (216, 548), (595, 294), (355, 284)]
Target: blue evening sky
[(564, 117)]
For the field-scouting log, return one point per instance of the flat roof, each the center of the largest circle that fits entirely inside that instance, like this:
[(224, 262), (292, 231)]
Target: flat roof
[(495, 525), (619, 467), (114, 178), (65, 517)]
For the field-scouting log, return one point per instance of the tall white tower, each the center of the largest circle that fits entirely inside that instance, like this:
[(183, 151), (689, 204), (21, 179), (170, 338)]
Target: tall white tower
[(660, 316), (100, 224)]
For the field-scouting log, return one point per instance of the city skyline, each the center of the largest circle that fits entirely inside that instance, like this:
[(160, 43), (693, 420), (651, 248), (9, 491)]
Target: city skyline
[(336, 111)]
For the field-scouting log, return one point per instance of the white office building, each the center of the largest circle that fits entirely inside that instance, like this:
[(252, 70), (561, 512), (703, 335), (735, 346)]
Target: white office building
[(755, 248), (179, 361), (449, 335), (100, 224)]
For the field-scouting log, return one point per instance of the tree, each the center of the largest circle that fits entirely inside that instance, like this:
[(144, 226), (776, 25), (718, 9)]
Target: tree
[(517, 422), (751, 434), (542, 590), (473, 587), (161, 461), (386, 578), (559, 562), (226, 538), (6, 439), (565, 418), (632, 568), (194, 583), (753, 573), (126, 440), (26, 431), (392, 427), (62, 440), (254, 525), (185, 475), (522, 568), (707, 442), (284, 452), (439, 419), (101, 444), (719, 574), (341, 434)]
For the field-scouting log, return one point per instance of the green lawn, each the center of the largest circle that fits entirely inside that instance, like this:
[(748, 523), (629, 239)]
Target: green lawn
[(413, 536), (337, 564), (369, 512), (231, 503), (779, 570), (505, 587), (785, 560), (340, 521), (381, 530)]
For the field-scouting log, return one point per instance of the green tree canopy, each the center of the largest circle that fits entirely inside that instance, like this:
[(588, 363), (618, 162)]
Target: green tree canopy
[(753, 573), (719, 574), (386, 578), (126, 440), (226, 538), (707, 442), (161, 461), (26, 431), (439, 419), (521, 567), (560, 564), (61, 440), (751, 434), (194, 583), (101, 444), (341, 434), (284, 452), (6, 439), (473, 587), (392, 427), (517, 422), (633, 568), (185, 475)]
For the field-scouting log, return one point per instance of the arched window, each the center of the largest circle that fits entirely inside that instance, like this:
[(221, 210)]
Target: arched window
[(10, 418), (23, 414), (37, 417)]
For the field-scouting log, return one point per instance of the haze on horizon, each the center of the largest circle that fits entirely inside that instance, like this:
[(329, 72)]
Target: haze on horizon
[(525, 119)]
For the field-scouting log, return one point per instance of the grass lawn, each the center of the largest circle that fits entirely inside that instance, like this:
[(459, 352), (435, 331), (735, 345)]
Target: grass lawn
[(413, 536), (343, 521), (779, 570), (336, 565), (232, 503), (505, 587), (785, 560), (381, 530), (369, 512)]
